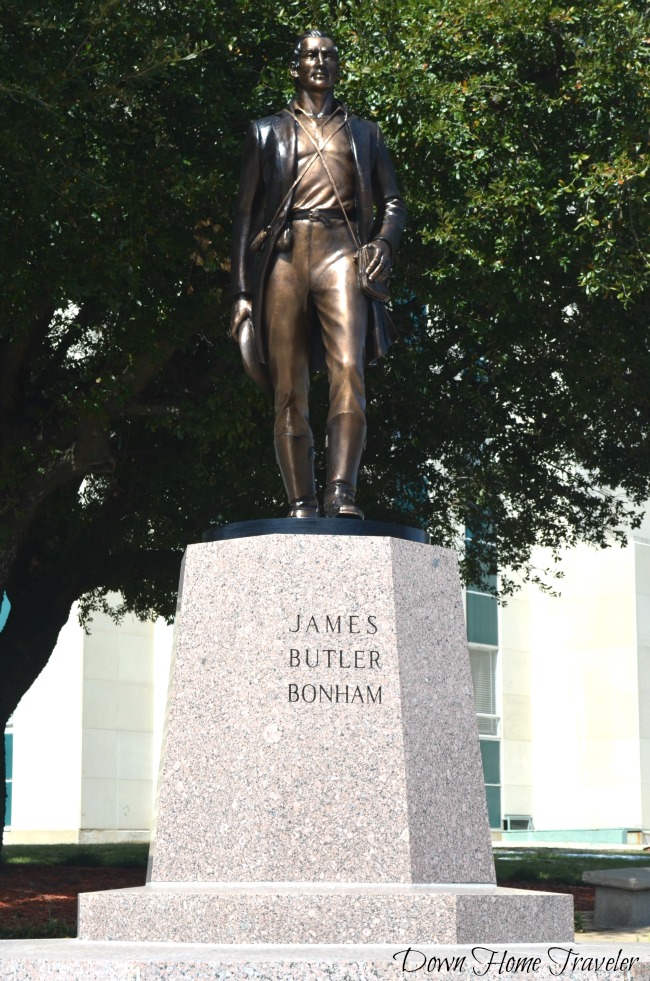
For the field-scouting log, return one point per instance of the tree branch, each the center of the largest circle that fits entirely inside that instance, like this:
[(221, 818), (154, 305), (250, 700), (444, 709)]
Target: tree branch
[(17, 350)]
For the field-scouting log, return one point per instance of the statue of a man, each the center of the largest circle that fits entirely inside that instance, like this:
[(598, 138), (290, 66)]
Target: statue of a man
[(317, 184)]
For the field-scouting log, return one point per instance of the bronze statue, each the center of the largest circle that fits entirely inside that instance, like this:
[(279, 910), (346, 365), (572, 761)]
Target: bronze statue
[(318, 220)]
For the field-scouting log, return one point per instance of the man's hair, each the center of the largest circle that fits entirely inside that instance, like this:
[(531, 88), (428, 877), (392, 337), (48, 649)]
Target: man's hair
[(295, 57)]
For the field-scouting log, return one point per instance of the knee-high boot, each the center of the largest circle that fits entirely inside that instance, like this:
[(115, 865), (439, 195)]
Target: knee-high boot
[(295, 456), (346, 435)]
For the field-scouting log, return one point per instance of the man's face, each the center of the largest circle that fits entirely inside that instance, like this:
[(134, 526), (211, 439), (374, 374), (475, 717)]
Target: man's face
[(318, 68)]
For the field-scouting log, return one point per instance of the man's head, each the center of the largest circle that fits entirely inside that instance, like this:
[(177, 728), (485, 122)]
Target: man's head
[(315, 62)]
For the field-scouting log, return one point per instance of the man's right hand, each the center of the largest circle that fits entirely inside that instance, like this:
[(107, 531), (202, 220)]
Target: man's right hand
[(242, 309)]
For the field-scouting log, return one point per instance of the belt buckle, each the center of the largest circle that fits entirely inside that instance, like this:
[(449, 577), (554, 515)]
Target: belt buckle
[(316, 214)]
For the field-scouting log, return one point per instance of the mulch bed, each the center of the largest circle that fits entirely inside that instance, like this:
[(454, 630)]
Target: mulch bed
[(584, 897), (33, 896)]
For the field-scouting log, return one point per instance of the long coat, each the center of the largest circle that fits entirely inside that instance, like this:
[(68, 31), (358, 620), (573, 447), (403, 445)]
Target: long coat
[(269, 169)]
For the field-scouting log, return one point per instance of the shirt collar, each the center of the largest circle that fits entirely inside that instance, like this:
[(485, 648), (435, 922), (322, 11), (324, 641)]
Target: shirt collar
[(339, 107)]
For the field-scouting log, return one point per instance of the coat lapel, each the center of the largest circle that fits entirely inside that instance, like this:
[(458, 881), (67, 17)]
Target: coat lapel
[(286, 149), (362, 170)]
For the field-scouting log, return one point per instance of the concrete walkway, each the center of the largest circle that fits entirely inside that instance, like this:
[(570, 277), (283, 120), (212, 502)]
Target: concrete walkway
[(613, 937), (591, 936)]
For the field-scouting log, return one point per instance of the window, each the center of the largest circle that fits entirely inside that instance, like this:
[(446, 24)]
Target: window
[(483, 662), (491, 758), (483, 636), (482, 621)]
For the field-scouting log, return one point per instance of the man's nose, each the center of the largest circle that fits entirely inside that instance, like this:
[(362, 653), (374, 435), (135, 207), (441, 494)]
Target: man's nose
[(321, 57)]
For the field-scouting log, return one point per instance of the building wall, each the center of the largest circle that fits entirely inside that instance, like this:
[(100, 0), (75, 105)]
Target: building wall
[(585, 711), (516, 707), (117, 740), (576, 680), (642, 573), (47, 740), (98, 706)]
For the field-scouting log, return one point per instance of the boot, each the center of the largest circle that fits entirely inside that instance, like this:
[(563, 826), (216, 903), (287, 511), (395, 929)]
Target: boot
[(346, 435), (295, 456)]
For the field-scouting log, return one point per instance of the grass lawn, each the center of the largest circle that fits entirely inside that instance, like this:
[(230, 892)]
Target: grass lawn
[(559, 865), (512, 864), (129, 855)]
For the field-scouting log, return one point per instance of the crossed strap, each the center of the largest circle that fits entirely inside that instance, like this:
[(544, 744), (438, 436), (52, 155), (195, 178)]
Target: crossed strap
[(261, 237), (319, 155)]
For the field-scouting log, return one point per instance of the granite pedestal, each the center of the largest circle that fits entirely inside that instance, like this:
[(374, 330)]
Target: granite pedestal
[(321, 780)]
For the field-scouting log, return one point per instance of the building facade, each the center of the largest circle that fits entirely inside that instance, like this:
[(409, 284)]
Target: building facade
[(574, 692), (85, 740), (562, 690)]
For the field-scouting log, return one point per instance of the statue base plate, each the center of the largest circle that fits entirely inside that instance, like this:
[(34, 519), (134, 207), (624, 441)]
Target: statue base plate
[(316, 526)]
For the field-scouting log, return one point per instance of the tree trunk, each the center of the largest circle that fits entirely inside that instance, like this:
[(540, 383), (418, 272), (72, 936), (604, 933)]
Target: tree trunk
[(3, 782), (28, 639)]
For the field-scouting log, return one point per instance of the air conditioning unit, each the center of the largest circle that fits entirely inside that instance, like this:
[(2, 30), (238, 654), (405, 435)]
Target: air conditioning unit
[(518, 822)]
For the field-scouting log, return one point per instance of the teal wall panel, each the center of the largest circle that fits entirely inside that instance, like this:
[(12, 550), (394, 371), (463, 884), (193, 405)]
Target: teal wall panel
[(9, 754)]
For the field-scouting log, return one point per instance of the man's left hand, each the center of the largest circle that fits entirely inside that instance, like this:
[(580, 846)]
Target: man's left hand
[(381, 263)]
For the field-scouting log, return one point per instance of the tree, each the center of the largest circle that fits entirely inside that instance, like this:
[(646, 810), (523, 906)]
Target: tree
[(515, 405), (526, 176), (121, 135)]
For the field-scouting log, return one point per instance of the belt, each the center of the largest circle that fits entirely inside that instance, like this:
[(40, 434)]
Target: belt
[(324, 215)]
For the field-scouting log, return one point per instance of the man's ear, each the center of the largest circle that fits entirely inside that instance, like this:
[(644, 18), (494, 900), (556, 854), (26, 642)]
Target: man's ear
[(293, 71)]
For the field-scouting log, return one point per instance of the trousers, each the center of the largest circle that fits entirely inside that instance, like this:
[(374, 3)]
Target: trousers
[(318, 273)]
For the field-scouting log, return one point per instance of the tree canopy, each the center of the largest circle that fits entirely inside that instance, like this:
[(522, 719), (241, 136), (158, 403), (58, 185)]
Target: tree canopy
[(516, 403)]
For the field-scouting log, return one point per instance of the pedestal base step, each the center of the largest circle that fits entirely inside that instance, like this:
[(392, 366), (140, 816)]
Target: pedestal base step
[(333, 913), (80, 960)]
